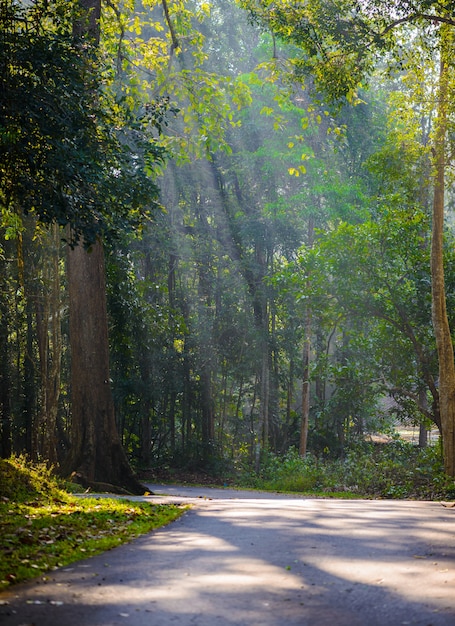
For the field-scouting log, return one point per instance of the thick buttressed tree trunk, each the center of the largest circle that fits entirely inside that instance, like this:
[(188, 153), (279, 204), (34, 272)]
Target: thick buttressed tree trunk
[(96, 452), (439, 310)]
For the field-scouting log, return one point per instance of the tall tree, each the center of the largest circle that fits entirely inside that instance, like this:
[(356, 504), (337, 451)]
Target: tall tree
[(439, 308), (340, 41), (96, 451)]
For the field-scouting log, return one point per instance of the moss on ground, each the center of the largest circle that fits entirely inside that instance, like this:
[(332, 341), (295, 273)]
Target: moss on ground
[(43, 526)]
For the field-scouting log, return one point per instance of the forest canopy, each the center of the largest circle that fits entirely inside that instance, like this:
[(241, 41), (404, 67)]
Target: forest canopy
[(70, 154), (267, 189)]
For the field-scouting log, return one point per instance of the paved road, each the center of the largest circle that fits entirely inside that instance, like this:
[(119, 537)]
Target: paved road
[(239, 558)]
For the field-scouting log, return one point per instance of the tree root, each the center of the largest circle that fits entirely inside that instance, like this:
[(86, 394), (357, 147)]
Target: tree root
[(100, 487)]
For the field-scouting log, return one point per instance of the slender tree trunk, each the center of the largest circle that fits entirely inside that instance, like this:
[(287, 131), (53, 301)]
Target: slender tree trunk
[(186, 399), (172, 404), (305, 385), (277, 427), (265, 394), (49, 338), (306, 356), (290, 392), (29, 399), (146, 436), (261, 317), (147, 405), (223, 406), (440, 320), (320, 381), (5, 378), (238, 404), (423, 406), (439, 309)]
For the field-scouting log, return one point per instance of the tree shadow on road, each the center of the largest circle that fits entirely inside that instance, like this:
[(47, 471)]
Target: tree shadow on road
[(264, 563)]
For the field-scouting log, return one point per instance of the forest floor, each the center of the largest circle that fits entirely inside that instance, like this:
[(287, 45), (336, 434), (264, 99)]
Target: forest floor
[(177, 476), (259, 559)]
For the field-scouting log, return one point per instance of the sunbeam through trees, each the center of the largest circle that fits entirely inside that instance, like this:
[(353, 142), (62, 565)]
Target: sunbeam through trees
[(266, 191)]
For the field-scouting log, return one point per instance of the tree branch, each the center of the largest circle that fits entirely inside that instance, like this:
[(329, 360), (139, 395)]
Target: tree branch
[(174, 38), (118, 15), (416, 16)]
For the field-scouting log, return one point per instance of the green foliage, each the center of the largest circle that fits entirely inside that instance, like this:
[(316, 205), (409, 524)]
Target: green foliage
[(397, 470), (43, 527), (335, 44), (338, 42), (393, 470), (69, 153), (290, 472), (173, 47), (371, 281)]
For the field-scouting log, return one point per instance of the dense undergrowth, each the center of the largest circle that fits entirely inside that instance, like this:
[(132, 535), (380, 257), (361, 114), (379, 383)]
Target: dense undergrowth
[(43, 526), (394, 470)]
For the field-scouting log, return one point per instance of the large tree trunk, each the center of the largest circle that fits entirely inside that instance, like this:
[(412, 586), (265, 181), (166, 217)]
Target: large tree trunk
[(96, 451), (439, 310)]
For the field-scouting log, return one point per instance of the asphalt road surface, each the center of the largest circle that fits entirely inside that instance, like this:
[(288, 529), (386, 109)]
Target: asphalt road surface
[(239, 558)]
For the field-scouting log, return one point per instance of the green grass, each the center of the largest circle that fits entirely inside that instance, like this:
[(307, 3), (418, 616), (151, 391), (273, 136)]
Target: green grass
[(43, 527)]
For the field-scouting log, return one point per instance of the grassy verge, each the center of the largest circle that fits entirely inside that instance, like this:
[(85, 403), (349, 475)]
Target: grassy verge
[(43, 527)]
